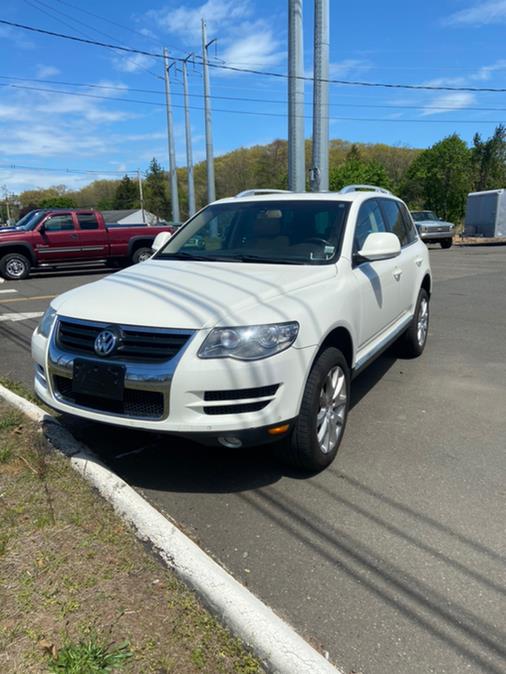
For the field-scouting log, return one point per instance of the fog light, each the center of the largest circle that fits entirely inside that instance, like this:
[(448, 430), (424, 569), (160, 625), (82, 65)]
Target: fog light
[(278, 430), (230, 441)]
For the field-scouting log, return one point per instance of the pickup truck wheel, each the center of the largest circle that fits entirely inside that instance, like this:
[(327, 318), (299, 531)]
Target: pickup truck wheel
[(141, 255), (446, 243), (412, 342), (14, 266), (320, 425)]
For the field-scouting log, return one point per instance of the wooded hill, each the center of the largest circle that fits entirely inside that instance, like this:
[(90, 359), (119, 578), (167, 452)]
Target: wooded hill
[(438, 178)]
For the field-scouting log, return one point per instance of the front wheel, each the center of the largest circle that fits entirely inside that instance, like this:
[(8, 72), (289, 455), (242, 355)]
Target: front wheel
[(320, 425), (141, 255), (446, 243), (412, 343), (15, 266)]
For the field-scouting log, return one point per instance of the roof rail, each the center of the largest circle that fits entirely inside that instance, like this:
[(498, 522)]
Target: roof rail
[(365, 188), (253, 192)]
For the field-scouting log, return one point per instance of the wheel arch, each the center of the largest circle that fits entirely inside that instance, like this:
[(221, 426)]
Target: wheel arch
[(139, 242), (18, 247), (427, 284)]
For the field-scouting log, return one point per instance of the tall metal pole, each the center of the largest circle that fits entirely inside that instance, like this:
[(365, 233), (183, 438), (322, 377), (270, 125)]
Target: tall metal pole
[(296, 148), (320, 167), (174, 197), (211, 190), (188, 132), (141, 195)]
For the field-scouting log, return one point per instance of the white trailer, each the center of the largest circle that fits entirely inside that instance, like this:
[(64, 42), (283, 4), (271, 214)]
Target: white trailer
[(486, 214)]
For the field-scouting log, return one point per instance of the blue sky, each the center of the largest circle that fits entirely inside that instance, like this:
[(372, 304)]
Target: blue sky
[(446, 42)]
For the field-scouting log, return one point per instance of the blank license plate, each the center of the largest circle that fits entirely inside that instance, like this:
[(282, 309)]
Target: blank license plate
[(98, 379)]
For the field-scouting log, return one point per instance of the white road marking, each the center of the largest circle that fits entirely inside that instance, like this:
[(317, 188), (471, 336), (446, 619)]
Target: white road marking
[(10, 290), (20, 316)]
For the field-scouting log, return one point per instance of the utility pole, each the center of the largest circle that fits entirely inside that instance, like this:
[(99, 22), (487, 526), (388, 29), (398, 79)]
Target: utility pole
[(188, 132), (141, 195), (296, 147), (211, 190), (174, 198), (320, 163)]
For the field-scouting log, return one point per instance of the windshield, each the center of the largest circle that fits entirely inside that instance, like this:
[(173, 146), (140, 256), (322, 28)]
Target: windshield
[(424, 215), (278, 232), (30, 220)]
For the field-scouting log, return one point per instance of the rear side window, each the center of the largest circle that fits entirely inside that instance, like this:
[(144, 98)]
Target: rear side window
[(370, 220), (397, 221), (59, 223), (87, 221)]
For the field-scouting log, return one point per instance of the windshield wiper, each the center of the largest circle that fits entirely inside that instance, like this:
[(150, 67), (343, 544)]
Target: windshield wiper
[(267, 260), (190, 256)]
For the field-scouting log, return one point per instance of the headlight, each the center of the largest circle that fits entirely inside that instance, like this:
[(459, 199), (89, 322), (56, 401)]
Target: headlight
[(249, 343), (46, 322)]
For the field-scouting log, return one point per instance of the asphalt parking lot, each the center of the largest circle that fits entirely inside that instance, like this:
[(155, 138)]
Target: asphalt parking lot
[(394, 559)]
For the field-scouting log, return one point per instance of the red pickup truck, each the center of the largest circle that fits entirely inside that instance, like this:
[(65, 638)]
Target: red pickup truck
[(50, 237)]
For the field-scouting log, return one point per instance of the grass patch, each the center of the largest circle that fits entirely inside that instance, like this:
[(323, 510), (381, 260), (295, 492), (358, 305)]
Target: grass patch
[(5, 454), (84, 595), (89, 657)]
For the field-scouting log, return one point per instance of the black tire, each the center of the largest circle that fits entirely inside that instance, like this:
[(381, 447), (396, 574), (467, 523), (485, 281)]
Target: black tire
[(412, 342), (446, 243), (15, 266), (141, 254), (303, 448)]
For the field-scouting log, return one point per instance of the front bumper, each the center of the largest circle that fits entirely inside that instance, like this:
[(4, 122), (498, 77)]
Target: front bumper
[(436, 236), (195, 402)]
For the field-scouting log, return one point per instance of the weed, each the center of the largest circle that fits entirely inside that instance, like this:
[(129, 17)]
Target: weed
[(10, 421), (89, 656), (3, 544), (5, 454)]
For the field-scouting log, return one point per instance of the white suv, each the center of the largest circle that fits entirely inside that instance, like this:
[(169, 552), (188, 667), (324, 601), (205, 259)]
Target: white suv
[(247, 325)]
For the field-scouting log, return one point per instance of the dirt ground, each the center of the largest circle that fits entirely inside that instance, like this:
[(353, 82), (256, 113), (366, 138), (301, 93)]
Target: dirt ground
[(72, 573)]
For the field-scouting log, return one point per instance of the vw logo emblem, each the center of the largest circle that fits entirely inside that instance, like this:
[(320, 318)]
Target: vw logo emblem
[(106, 342)]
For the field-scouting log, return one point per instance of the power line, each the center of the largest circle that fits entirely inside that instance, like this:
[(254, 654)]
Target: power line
[(252, 112), (252, 71), (245, 99), (64, 170)]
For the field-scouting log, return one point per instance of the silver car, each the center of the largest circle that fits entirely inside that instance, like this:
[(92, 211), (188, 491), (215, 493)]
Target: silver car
[(432, 229)]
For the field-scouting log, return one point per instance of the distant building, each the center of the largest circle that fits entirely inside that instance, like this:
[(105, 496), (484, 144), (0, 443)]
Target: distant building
[(130, 216)]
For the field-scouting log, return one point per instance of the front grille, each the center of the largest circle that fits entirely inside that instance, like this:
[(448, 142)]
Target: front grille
[(142, 404), (236, 409), (136, 344), (242, 394)]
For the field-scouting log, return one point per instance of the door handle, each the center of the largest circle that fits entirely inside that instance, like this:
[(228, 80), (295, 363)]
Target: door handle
[(418, 261), (397, 274), (73, 236)]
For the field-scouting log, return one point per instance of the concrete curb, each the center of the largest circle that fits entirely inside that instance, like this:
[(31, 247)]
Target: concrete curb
[(277, 644)]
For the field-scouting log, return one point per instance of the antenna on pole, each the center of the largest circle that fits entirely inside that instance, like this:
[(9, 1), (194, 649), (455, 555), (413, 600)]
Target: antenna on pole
[(296, 148), (211, 190), (188, 134), (174, 197), (320, 160)]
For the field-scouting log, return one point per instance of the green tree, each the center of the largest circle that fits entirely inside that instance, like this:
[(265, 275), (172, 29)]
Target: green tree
[(440, 178), (62, 201), (489, 160), (356, 170), (156, 190), (127, 194)]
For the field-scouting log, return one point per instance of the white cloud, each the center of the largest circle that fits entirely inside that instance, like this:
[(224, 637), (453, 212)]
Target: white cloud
[(256, 47), (218, 14), (486, 72), (132, 64), (347, 67), (43, 72), (479, 14), (447, 102), (42, 140)]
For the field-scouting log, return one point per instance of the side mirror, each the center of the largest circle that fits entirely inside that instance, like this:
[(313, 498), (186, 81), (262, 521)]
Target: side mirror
[(380, 246), (160, 240)]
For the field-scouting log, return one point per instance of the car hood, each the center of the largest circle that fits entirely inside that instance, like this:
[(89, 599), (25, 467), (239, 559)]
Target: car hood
[(4, 230), (434, 223), (193, 295)]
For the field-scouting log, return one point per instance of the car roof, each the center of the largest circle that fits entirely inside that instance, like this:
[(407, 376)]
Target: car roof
[(352, 197)]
